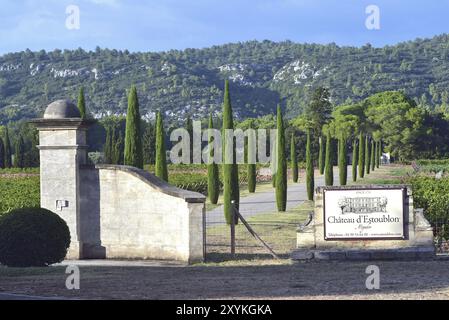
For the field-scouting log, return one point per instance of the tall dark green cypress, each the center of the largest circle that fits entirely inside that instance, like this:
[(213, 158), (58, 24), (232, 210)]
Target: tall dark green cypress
[(321, 156), (373, 157), (8, 158), (231, 189), (294, 159), (342, 161), (367, 155), (2, 154), (107, 149), (118, 150), (354, 160), (82, 103), (281, 172), (213, 180), (19, 155), (310, 176), (161, 156), (361, 155), (328, 169), (133, 137), (378, 154), (251, 160), (189, 128)]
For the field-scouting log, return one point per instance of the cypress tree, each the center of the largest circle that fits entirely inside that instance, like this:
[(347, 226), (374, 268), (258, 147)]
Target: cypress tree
[(310, 179), (2, 154), (189, 128), (281, 172), (19, 153), (118, 150), (367, 155), (213, 181), (231, 189), (321, 156), (7, 142), (361, 157), (342, 162), (379, 154), (373, 157), (133, 137), (108, 146), (82, 103), (329, 170), (161, 156), (354, 160), (251, 160), (294, 159)]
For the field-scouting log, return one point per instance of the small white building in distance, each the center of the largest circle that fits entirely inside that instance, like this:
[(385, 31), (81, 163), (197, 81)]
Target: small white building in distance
[(112, 211)]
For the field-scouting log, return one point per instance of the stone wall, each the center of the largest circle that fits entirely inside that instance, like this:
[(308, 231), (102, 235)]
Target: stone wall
[(128, 213)]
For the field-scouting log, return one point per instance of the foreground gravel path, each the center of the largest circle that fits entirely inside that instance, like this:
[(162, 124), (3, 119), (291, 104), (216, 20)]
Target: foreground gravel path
[(311, 280)]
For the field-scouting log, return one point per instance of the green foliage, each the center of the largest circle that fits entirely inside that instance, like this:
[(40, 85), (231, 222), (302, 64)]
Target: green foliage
[(2, 154), (133, 140), (354, 159), (161, 156), (431, 195), (18, 191), (231, 190), (310, 179), (329, 170), (361, 156), (321, 155), (342, 159), (251, 158), (367, 155), (82, 103), (19, 156), (32, 237), (294, 160), (213, 176), (7, 142), (281, 164)]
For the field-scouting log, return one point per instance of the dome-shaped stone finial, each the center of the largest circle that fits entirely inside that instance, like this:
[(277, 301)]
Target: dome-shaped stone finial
[(61, 109)]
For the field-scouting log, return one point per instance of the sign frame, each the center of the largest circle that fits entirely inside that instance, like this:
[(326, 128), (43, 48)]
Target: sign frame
[(405, 212)]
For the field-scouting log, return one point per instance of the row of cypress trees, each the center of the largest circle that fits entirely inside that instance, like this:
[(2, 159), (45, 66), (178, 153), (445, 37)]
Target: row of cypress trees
[(6, 159), (366, 154)]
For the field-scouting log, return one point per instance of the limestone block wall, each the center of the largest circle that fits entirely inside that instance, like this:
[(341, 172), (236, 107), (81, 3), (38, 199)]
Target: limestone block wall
[(128, 213)]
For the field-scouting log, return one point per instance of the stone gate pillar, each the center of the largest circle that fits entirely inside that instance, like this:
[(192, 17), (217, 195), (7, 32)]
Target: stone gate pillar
[(63, 148)]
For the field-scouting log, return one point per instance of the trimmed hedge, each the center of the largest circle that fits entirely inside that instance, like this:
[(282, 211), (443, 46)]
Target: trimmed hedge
[(32, 237)]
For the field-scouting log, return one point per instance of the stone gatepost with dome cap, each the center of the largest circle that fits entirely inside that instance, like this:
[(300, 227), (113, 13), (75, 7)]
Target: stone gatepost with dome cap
[(63, 148)]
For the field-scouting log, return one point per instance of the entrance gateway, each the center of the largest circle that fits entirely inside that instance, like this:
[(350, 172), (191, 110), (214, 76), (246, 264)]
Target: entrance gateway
[(363, 223)]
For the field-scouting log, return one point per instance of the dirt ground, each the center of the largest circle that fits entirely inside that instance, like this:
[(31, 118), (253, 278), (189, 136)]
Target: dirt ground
[(253, 280)]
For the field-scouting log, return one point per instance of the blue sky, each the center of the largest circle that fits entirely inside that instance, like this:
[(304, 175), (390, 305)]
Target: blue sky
[(150, 25)]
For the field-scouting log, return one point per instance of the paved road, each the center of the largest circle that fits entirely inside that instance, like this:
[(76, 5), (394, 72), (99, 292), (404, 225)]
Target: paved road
[(265, 202)]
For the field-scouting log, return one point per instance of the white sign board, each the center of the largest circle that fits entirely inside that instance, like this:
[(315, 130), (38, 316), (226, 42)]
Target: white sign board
[(364, 214)]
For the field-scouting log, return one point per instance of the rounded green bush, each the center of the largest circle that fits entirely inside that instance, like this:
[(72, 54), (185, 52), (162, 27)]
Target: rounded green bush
[(32, 237)]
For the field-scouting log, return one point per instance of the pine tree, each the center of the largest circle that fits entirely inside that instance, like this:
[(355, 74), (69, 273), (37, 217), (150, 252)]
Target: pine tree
[(310, 179), (133, 137), (328, 169), (231, 190), (281, 172), (161, 156), (251, 160), (367, 155), (294, 159), (321, 156), (361, 155), (342, 161), (354, 160), (373, 157), (7, 142), (82, 103), (2, 154), (213, 181), (19, 153)]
